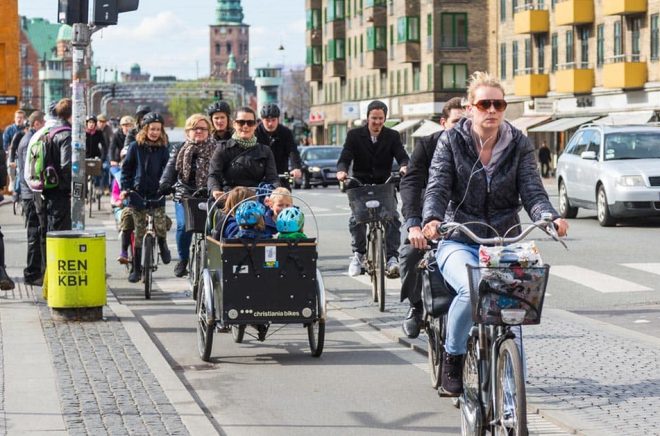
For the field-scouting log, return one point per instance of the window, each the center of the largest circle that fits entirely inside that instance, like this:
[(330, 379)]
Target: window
[(372, 3), (407, 29), (514, 57), (502, 10), (600, 44), (554, 53), (429, 77), (618, 46), (454, 76), (570, 47), (636, 24), (313, 19), (335, 10), (429, 32), (584, 46), (217, 48), (453, 33), (314, 55), (229, 48), (528, 55), (375, 38), (655, 38), (335, 49), (503, 61), (514, 5), (415, 77), (405, 81), (540, 50)]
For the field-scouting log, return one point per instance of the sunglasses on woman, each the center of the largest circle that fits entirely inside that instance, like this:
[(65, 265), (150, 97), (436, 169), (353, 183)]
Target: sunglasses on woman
[(242, 123), (484, 105)]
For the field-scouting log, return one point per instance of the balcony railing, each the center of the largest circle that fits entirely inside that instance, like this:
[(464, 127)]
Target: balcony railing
[(624, 7), (531, 82), (574, 78), (531, 18), (574, 12), (625, 71)]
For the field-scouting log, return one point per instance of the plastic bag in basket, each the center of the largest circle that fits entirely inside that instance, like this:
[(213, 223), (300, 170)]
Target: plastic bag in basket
[(524, 254)]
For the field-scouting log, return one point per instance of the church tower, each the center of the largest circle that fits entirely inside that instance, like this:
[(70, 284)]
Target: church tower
[(230, 39)]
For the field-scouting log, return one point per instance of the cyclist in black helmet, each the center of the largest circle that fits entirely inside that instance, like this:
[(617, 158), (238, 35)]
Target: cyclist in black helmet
[(220, 114), (141, 111), (280, 139)]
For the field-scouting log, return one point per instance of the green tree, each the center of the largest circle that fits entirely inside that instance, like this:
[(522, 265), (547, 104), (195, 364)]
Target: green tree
[(190, 97)]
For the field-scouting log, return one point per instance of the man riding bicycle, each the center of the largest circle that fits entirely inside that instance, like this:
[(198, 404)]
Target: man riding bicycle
[(481, 171), (413, 244), (280, 139), (371, 149)]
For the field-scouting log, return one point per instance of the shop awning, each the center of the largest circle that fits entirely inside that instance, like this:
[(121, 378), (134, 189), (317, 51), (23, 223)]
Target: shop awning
[(562, 124), (427, 128), (632, 117), (391, 122), (524, 123), (406, 125)]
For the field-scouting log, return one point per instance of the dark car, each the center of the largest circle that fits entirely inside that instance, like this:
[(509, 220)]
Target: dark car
[(319, 166)]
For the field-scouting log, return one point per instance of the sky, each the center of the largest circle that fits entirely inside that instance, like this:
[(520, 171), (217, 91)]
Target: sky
[(171, 37)]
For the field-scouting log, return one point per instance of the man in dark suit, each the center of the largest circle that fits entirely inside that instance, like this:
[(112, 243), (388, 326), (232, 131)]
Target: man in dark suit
[(371, 149)]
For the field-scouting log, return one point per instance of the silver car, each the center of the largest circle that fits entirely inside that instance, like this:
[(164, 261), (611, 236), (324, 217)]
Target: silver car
[(613, 169)]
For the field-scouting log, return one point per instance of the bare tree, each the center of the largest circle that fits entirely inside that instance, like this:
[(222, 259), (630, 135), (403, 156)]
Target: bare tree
[(295, 94)]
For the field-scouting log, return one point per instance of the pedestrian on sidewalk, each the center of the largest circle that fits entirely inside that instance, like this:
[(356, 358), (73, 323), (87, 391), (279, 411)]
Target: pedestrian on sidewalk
[(544, 159), (6, 283), (33, 267)]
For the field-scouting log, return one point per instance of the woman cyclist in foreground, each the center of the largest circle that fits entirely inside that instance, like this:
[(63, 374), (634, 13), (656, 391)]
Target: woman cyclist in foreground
[(481, 170)]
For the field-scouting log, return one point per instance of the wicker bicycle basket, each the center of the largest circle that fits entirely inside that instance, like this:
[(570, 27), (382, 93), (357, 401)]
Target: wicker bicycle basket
[(495, 289), (93, 167), (195, 218), (384, 194)]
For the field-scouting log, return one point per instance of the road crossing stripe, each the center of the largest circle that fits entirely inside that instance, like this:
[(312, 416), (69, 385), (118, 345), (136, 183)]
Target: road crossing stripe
[(597, 281), (653, 268), (393, 285)]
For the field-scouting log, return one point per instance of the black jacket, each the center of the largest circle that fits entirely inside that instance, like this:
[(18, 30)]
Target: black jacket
[(456, 178), (233, 166), (95, 144), (116, 145), (414, 181), (182, 188), (224, 137), (60, 147), (142, 169), (372, 162), (283, 146), (3, 168)]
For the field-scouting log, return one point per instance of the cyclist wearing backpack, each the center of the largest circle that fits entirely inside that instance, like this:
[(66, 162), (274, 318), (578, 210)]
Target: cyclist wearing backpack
[(54, 204), (141, 171)]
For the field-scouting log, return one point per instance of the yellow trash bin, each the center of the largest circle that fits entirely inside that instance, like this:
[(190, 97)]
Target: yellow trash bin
[(76, 269)]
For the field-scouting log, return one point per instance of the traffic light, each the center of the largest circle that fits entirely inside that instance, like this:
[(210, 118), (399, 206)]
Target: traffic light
[(72, 11), (218, 95), (106, 12)]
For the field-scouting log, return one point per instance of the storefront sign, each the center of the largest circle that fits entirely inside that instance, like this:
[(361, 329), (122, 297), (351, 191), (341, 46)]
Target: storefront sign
[(6, 100)]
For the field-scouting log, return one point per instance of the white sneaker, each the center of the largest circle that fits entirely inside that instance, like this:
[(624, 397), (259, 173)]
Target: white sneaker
[(355, 267), (392, 267)]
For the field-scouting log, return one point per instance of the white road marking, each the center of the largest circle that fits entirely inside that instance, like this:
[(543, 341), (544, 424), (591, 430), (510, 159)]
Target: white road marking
[(597, 281), (641, 321), (393, 286), (653, 268)]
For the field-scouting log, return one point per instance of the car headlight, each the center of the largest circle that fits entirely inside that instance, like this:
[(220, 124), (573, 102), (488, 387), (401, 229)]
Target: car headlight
[(629, 181), (315, 169)]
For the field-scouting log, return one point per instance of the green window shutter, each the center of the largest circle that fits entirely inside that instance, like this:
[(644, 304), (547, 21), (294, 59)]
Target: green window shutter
[(371, 37), (401, 27)]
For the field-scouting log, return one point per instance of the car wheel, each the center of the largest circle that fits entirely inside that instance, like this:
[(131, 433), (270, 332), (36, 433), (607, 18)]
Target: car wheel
[(602, 210), (565, 208)]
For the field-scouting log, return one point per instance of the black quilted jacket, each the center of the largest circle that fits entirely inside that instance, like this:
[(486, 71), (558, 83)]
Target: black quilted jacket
[(515, 182)]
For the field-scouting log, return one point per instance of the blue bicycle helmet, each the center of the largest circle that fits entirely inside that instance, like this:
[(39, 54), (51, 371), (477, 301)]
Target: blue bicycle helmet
[(263, 191), (290, 220), (249, 212)]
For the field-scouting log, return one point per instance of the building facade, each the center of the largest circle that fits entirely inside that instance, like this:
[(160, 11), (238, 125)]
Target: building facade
[(414, 55), (230, 40), (10, 61), (577, 61)]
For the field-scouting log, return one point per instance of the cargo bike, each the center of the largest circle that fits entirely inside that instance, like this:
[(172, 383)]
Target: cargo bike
[(258, 284)]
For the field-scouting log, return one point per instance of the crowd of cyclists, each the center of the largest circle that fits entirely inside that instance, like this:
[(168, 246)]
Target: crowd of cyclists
[(479, 168)]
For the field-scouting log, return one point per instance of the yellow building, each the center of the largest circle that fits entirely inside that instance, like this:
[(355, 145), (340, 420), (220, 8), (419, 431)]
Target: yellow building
[(575, 61), (9, 62)]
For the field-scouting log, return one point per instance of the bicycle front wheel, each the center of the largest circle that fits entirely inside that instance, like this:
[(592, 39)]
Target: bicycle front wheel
[(435, 332), (380, 268), (372, 251), (194, 267), (472, 416), (510, 397), (205, 324), (147, 264)]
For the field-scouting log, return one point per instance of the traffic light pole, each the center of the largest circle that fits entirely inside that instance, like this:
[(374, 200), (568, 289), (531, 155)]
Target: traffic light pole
[(80, 42)]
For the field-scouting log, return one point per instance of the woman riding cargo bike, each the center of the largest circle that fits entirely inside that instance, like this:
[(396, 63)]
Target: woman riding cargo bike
[(481, 171), (141, 170)]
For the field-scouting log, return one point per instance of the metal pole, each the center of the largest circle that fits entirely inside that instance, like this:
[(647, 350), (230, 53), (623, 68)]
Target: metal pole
[(81, 40)]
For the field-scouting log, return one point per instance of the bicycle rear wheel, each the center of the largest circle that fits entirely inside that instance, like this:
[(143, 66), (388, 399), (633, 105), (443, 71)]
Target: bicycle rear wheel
[(205, 324), (380, 268), (237, 333), (435, 331), (510, 397), (147, 264), (195, 266), (90, 197)]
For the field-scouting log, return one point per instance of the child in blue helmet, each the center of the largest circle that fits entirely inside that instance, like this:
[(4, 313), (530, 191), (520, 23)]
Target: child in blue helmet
[(250, 219), (279, 199), (290, 224)]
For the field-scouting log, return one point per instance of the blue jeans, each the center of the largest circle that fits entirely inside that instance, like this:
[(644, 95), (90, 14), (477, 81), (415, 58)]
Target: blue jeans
[(452, 257), (183, 238)]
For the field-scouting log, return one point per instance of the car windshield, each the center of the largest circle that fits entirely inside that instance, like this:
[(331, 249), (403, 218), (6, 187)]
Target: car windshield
[(323, 153), (632, 145)]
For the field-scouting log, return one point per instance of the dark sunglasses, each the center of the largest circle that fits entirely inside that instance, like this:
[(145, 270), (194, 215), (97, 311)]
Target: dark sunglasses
[(484, 105), (242, 123)]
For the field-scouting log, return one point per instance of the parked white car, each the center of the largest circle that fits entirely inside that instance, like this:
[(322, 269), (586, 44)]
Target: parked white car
[(612, 169)]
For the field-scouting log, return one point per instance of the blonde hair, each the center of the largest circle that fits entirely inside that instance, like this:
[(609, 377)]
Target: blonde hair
[(235, 196), (141, 137), (280, 193), (479, 79), (194, 119)]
